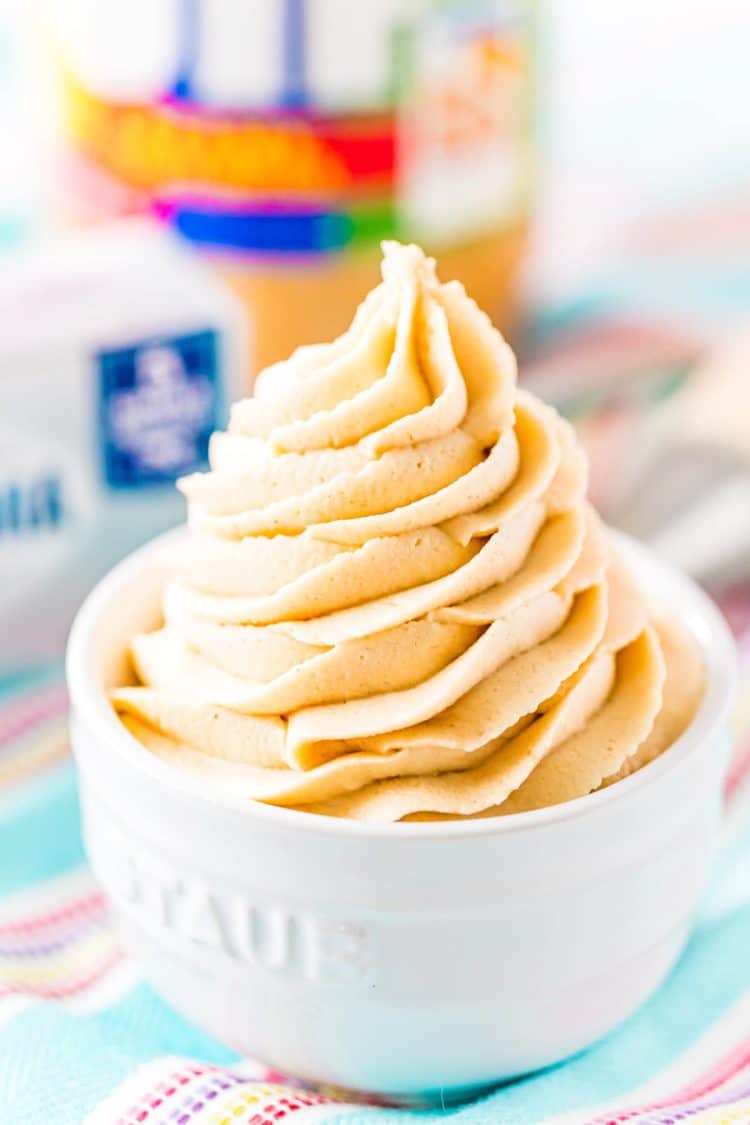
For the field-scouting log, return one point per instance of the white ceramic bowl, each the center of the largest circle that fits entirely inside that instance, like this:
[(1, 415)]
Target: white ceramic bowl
[(405, 959)]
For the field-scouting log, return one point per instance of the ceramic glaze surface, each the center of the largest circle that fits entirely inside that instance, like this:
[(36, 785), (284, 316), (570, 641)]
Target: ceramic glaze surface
[(399, 959)]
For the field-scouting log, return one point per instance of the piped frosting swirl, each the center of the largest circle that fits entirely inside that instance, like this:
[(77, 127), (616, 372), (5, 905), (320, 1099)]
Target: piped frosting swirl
[(394, 600)]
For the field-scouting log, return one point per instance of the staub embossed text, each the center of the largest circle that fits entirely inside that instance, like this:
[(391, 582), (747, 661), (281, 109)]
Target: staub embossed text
[(271, 935)]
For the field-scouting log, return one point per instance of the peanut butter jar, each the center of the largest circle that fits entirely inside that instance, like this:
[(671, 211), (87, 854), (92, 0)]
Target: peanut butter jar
[(285, 140)]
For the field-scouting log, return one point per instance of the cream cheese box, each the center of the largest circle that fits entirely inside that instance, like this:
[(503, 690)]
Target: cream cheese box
[(119, 355)]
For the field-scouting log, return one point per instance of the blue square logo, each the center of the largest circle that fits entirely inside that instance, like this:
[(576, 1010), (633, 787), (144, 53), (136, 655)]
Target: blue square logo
[(159, 403)]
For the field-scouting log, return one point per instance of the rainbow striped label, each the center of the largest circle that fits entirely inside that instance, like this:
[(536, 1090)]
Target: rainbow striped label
[(308, 127)]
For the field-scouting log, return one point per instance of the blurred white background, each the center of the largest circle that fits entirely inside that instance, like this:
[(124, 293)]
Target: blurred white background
[(646, 108)]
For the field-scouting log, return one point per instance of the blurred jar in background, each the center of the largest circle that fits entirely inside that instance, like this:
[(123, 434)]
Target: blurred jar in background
[(286, 138)]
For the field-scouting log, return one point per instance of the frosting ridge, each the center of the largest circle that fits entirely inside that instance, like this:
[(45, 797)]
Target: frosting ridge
[(394, 600)]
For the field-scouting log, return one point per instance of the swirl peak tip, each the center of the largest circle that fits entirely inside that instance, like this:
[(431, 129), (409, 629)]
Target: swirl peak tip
[(402, 261)]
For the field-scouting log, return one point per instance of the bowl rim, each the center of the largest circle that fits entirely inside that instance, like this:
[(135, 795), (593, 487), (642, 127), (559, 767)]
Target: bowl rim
[(90, 706)]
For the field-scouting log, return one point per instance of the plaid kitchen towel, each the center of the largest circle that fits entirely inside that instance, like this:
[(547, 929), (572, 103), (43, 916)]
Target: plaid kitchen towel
[(84, 1039)]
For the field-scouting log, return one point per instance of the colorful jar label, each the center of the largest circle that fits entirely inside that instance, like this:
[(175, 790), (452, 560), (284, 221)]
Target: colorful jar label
[(354, 122)]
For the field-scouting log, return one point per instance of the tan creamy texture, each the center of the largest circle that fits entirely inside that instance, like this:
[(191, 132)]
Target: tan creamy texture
[(394, 601)]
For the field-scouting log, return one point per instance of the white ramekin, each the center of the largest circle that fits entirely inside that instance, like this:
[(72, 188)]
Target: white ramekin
[(405, 959)]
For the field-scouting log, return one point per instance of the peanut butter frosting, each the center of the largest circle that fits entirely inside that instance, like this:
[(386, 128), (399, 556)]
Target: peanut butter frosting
[(394, 601)]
